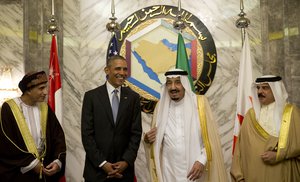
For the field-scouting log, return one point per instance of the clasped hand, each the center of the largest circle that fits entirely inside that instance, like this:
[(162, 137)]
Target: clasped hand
[(269, 157), (49, 170), (115, 170)]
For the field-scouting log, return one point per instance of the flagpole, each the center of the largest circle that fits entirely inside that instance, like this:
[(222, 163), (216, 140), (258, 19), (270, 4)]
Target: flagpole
[(242, 22), (179, 24), (113, 26), (52, 27), (112, 8), (52, 10)]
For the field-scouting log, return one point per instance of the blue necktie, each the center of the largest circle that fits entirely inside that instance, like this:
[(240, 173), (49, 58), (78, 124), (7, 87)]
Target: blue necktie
[(115, 104)]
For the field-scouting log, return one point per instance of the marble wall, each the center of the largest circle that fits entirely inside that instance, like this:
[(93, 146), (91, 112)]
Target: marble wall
[(281, 48), (83, 42), (11, 38)]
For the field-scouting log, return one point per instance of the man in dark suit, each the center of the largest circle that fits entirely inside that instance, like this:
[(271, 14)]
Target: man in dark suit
[(111, 145)]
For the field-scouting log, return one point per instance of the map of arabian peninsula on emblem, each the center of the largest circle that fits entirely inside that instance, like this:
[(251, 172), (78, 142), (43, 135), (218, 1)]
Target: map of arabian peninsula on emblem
[(151, 56), (148, 41)]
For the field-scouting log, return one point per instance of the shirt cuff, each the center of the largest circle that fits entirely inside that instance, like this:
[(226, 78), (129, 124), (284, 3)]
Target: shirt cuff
[(102, 164), (30, 166), (57, 161)]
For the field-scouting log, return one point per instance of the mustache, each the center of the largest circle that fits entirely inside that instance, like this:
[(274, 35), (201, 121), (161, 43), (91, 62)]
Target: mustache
[(261, 95), (174, 90)]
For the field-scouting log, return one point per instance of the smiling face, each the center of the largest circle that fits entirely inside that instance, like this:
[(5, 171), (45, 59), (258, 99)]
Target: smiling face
[(36, 94), (265, 94), (116, 71), (175, 88)]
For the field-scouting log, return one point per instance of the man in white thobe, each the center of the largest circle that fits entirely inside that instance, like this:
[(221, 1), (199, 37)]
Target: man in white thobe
[(184, 138), (179, 152)]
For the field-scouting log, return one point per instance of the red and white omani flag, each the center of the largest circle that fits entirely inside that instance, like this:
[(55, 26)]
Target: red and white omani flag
[(55, 91), (244, 99)]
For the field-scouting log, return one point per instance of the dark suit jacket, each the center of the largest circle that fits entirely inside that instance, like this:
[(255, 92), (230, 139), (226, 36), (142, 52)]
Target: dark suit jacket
[(104, 140)]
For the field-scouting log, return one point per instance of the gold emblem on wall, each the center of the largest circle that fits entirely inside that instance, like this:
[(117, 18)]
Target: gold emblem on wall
[(149, 42)]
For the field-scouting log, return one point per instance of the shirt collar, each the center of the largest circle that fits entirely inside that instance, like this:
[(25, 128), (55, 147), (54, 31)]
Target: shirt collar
[(111, 88)]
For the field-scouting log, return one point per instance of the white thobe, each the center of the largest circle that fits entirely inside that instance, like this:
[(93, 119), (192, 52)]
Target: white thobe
[(32, 118), (174, 152), (266, 119)]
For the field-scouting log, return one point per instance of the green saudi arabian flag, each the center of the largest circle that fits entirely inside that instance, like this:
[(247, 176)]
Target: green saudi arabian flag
[(182, 61)]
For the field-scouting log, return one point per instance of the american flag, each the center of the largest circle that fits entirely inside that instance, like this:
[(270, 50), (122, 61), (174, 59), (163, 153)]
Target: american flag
[(112, 47)]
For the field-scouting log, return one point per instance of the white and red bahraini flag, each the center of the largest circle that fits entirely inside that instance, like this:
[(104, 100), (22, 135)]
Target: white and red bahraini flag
[(55, 91), (244, 99)]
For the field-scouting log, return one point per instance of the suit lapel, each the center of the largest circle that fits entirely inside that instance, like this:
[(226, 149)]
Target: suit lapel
[(123, 104), (104, 98)]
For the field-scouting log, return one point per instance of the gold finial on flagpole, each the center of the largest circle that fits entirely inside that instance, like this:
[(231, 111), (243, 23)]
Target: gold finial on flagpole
[(52, 27), (113, 26), (179, 23), (242, 22)]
